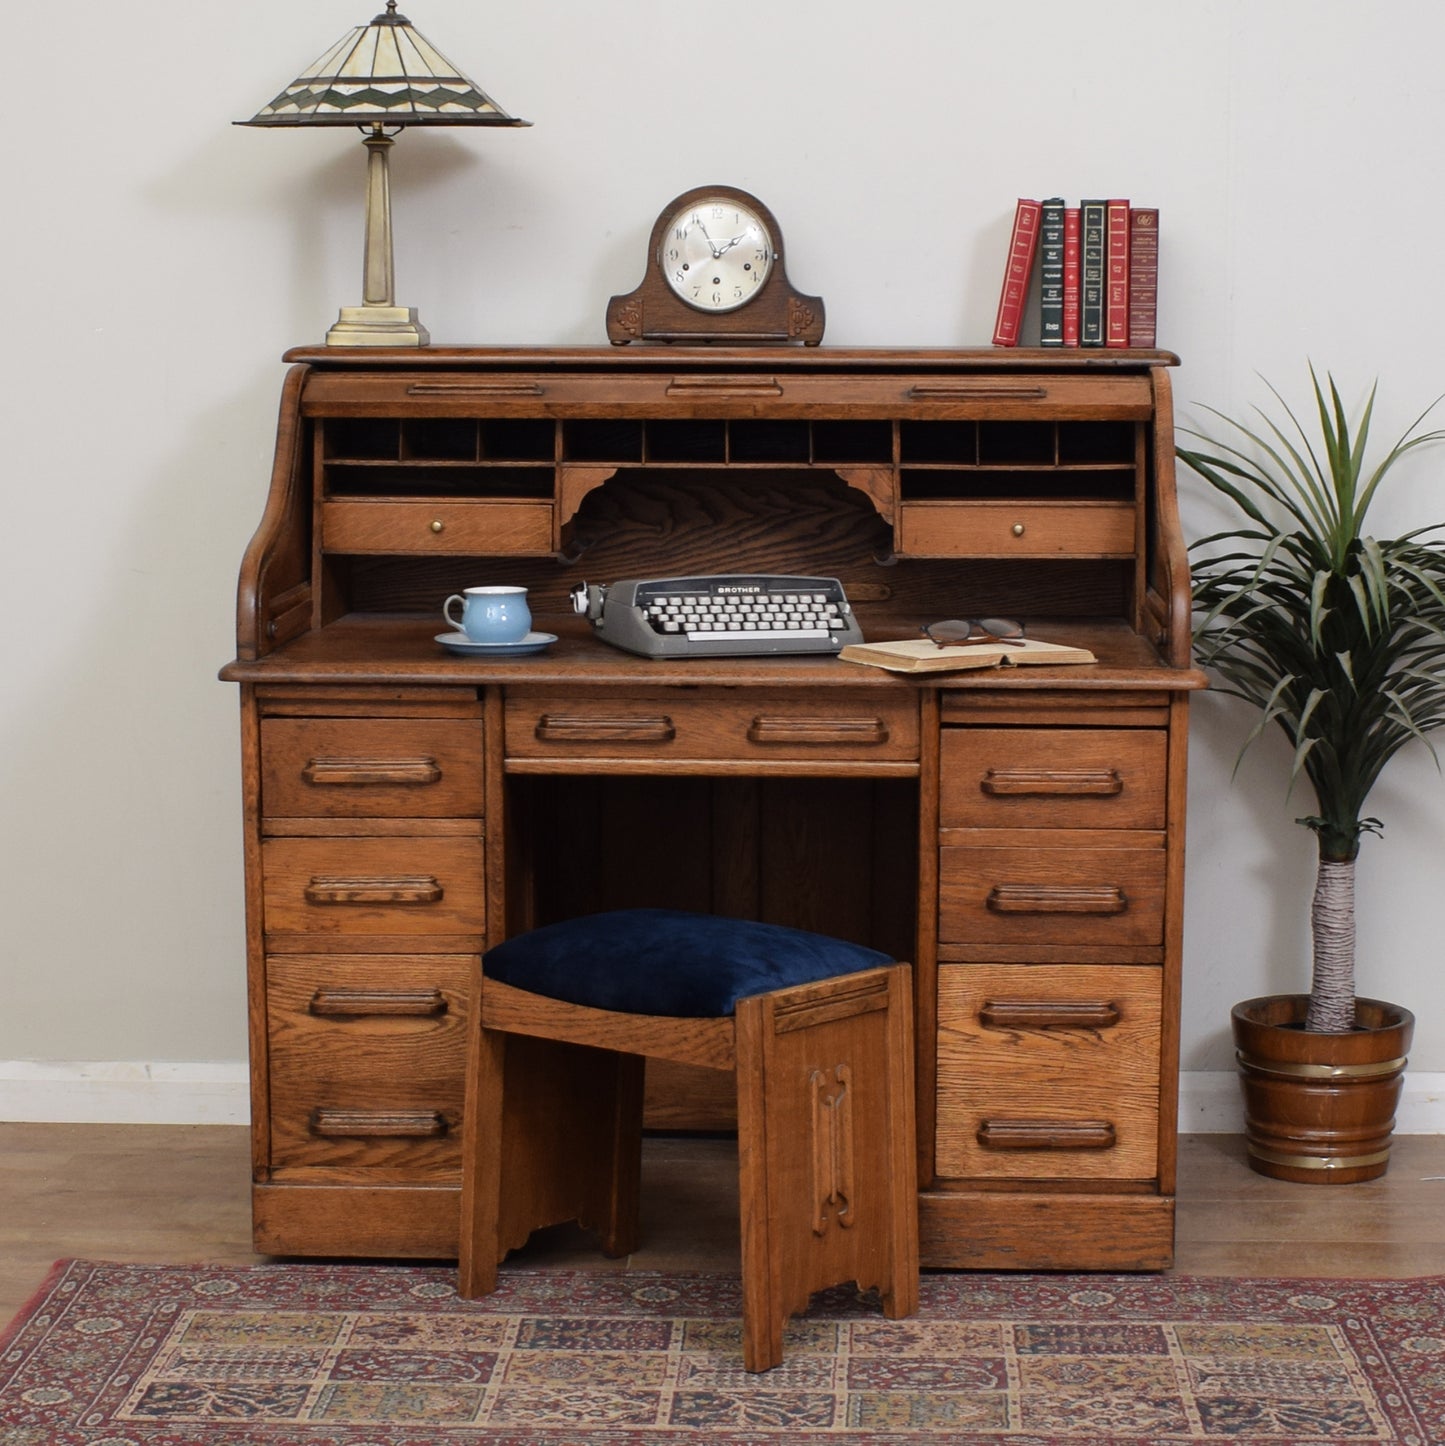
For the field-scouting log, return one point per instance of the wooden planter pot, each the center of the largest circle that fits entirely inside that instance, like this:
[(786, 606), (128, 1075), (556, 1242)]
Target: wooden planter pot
[(1320, 1108)]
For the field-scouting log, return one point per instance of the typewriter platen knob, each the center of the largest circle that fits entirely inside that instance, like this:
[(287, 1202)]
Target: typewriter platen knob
[(587, 600)]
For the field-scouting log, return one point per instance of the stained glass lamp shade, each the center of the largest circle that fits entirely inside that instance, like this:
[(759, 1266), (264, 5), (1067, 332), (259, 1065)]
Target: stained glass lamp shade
[(381, 77)]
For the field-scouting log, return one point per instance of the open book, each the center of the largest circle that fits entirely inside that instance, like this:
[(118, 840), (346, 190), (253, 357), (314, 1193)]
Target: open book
[(922, 655)]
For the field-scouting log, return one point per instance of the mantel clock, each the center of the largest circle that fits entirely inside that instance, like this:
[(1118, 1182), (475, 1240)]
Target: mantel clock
[(715, 273)]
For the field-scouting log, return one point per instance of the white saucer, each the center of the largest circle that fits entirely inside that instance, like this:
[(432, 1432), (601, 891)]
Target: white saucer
[(458, 642)]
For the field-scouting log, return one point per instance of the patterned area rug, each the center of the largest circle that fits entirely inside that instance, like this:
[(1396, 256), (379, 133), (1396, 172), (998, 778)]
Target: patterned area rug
[(317, 1355)]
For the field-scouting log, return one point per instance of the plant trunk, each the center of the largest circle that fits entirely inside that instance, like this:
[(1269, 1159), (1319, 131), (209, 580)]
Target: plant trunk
[(1332, 928)]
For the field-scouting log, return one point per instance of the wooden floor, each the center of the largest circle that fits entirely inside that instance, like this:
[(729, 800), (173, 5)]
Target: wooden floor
[(179, 1194)]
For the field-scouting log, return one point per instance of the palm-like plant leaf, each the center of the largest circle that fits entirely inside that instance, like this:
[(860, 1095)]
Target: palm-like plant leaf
[(1334, 636)]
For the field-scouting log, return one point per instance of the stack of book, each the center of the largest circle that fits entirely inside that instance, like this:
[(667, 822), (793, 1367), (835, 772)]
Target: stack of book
[(1098, 270)]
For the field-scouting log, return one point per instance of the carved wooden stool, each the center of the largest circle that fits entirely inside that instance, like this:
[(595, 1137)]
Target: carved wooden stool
[(818, 1034)]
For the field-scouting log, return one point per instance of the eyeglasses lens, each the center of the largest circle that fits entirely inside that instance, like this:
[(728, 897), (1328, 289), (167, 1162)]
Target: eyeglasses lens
[(973, 630)]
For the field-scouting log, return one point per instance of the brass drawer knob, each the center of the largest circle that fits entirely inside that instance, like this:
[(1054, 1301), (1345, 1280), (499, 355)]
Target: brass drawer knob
[(438, 525), (1018, 529)]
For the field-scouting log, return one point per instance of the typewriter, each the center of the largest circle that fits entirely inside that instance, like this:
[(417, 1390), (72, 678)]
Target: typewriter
[(736, 614)]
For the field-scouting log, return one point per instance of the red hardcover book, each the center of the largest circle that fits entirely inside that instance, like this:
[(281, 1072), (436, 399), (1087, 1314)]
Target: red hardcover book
[(1116, 274), (1022, 245), (1071, 275), (1143, 275)]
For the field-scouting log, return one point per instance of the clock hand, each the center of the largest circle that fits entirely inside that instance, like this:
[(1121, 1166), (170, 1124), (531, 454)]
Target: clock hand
[(736, 241), (712, 245)]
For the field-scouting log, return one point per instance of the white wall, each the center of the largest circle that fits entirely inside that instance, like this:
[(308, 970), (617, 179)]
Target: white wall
[(160, 259)]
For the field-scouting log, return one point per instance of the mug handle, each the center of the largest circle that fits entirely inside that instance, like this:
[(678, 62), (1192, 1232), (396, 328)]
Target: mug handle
[(447, 610)]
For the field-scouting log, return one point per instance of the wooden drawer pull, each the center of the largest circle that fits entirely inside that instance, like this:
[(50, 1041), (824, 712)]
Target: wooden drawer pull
[(1046, 1135), (866, 731), (410, 1124), (560, 728), (1063, 782), (354, 1003), (1048, 1014), (964, 392), (1057, 899), (722, 386), (476, 389), (362, 772), (402, 889)]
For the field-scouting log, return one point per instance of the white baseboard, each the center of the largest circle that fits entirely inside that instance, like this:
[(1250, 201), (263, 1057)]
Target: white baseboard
[(121, 1092), (124, 1093)]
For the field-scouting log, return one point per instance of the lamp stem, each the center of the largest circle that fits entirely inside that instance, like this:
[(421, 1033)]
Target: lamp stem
[(378, 285), (378, 321)]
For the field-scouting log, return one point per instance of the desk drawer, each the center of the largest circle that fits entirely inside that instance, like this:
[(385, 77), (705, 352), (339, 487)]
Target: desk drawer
[(368, 1059), (662, 391), (1016, 529), (711, 724), (384, 886), (473, 528), (1048, 1072), (1073, 896), (1052, 778), (371, 768)]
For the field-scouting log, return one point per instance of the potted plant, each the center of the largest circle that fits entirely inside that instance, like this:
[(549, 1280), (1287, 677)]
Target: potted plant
[(1338, 638)]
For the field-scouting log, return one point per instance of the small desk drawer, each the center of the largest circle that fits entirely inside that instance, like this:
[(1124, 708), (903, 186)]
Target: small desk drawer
[(707, 724), (1052, 778), (361, 886), (367, 1060), (1075, 896), (478, 528), (1048, 1072), (1016, 529), (371, 768)]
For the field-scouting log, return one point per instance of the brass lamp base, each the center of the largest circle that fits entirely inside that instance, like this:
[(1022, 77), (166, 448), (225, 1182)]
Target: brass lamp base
[(378, 326)]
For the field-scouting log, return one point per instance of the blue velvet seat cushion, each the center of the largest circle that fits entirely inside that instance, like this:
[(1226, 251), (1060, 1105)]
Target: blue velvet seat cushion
[(666, 961)]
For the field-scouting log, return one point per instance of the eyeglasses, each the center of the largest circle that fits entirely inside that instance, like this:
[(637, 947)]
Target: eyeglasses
[(975, 630)]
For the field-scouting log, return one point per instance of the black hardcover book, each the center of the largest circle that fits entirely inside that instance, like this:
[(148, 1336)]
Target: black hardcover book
[(1051, 272), (1091, 286)]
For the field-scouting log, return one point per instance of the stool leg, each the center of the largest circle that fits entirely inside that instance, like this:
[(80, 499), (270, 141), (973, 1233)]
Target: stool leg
[(826, 1149), (553, 1133), (479, 1250)]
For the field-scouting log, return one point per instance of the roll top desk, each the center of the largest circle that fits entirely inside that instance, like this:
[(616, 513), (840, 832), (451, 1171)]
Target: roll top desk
[(1016, 833)]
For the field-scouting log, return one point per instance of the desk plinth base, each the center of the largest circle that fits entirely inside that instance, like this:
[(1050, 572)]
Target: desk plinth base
[(416, 1222), (1011, 1230), (957, 1231)]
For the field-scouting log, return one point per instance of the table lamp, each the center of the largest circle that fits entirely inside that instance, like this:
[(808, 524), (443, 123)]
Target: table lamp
[(381, 78)]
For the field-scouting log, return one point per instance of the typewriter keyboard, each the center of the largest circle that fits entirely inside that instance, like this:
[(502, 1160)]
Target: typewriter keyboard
[(708, 617)]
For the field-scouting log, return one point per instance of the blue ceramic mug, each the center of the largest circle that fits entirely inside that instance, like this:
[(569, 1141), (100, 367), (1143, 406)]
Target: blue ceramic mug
[(491, 614)]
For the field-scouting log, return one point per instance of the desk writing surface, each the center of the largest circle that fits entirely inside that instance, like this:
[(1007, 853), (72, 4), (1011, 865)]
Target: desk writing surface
[(373, 648)]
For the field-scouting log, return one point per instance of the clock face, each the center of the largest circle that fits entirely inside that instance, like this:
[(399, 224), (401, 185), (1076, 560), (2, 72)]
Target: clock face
[(716, 254)]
